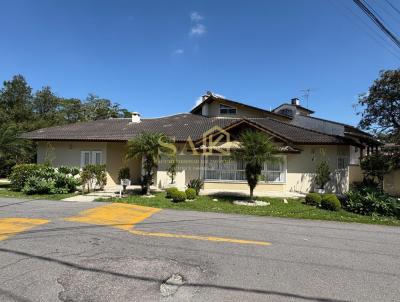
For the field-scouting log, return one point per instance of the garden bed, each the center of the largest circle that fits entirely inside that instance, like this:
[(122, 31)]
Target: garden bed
[(294, 208)]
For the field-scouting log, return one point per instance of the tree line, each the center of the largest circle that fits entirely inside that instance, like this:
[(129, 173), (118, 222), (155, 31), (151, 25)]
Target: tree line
[(22, 110)]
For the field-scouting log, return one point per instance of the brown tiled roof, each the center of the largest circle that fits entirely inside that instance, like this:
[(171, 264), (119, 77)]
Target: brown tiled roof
[(179, 126), (296, 134), (297, 106)]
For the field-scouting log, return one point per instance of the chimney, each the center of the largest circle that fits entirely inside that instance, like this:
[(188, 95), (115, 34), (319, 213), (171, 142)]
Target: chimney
[(135, 117), (296, 102)]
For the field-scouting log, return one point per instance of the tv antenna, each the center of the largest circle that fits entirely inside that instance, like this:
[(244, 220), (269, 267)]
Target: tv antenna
[(307, 93)]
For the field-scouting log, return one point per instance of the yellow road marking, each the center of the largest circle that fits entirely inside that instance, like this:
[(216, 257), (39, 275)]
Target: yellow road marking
[(125, 216), (118, 215), (194, 237), (12, 226)]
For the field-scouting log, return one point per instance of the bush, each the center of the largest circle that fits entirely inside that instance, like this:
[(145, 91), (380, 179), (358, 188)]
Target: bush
[(124, 173), (330, 202), (94, 176), (313, 199), (20, 174), (322, 174), (190, 193), (178, 196), (68, 170), (37, 185), (369, 200), (195, 184), (170, 191)]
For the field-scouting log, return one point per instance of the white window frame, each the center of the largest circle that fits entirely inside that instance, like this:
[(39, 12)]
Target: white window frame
[(236, 174), (92, 157)]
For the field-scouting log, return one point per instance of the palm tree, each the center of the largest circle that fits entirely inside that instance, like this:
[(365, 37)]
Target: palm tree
[(149, 147), (255, 149)]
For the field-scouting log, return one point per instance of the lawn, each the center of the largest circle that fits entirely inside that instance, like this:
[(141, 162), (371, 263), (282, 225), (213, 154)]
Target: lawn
[(6, 192), (293, 209)]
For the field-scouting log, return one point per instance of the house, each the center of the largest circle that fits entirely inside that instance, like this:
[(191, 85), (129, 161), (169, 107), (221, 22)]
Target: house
[(203, 138)]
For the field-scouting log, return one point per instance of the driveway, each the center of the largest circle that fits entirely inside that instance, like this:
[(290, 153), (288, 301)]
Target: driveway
[(70, 251)]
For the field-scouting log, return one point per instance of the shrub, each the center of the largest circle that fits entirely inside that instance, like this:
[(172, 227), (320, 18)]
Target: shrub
[(370, 200), (313, 199), (124, 173), (190, 193), (169, 192), (37, 185), (322, 174), (195, 184), (178, 196), (20, 174), (68, 170), (94, 176), (330, 202)]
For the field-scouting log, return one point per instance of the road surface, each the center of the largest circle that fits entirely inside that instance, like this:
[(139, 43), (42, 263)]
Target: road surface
[(71, 251)]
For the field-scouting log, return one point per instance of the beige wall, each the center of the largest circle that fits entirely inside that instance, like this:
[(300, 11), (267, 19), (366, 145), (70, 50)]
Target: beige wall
[(391, 183), (299, 177), (301, 168), (213, 110), (60, 153), (355, 174)]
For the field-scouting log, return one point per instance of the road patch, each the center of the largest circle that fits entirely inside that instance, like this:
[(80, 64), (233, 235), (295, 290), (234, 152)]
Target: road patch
[(11, 226)]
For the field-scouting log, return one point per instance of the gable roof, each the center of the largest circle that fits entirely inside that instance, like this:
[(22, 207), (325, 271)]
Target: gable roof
[(297, 106), (180, 127), (212, 97)]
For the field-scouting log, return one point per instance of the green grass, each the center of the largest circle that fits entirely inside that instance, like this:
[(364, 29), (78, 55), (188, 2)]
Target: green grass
[(6, 192), (293, 209)]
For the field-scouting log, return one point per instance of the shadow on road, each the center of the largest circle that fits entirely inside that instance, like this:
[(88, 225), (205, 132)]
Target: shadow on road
[(135, 277)]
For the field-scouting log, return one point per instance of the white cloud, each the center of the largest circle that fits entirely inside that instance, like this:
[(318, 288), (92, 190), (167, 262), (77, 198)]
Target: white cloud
[(178, 51), (198, 101), (196, 17), (198, 30)]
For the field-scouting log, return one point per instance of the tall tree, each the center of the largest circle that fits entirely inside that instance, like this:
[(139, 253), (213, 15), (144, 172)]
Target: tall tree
[(46, 108), (16, 101), (255, 149), (381, 106)]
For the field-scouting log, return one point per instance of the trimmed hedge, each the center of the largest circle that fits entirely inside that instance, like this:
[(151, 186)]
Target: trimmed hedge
[(20, 174), (313, 199), (169, 192), (330, 202), (190, 193), (178, 196)]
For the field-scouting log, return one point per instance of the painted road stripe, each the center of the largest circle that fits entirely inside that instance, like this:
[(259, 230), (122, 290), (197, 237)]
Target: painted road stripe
[(195, 237), (118, 215), (11, 226), (125, 216)]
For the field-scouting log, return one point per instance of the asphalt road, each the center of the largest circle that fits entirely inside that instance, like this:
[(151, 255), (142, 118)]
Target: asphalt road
[(45, 255)]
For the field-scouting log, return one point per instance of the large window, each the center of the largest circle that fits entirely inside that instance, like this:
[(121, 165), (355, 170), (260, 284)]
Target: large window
[(91, 157), (221, 168), (224, 109)]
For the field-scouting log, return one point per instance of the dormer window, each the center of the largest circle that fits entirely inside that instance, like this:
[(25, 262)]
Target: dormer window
[(224, 110)]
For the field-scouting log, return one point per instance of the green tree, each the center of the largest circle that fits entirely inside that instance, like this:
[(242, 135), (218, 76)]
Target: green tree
[(381, 105), (71, 110), (16, 102), (377, 165), (96, 108), (46, 108), (322, 174), (149, 147), (256, 148)]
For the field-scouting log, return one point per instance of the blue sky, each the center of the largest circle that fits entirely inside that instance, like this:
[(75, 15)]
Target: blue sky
[(158, 57)]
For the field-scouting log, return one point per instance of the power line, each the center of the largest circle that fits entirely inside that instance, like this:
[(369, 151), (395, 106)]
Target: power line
[(370, 30), (378, 23), (392, 6)]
